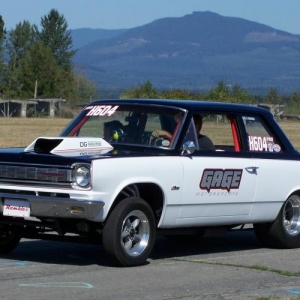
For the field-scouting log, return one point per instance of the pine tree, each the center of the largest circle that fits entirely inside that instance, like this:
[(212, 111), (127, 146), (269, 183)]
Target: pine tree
[(273, 97), (145, 91), (40, 68), (17, 45), (2, 38), (54, 34)]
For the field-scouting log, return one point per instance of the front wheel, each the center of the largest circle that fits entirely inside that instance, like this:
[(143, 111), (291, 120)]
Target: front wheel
[(129, 233), (9, 238), (284, 232)]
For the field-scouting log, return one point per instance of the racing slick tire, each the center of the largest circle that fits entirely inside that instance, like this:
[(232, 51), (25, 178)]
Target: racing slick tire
[(129, 232), (284, 232), (9, 238)]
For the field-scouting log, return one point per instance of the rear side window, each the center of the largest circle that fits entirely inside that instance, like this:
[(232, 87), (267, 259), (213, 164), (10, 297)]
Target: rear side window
[(218, 128), (260, 137)]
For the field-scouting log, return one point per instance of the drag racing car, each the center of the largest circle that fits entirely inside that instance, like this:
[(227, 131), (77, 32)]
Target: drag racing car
[(126, 170)]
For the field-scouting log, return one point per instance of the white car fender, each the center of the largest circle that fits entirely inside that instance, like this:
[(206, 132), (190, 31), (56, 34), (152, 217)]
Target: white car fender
[(117, 173)]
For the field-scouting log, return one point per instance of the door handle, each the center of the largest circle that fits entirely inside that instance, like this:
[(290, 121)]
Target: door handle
[(251, 170)]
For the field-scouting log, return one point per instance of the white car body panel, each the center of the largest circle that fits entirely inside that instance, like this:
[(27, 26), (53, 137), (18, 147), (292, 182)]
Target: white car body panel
[(187, 205), (166, 172)]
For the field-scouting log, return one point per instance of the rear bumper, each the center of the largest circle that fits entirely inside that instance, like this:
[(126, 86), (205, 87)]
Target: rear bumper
[(57, 207)]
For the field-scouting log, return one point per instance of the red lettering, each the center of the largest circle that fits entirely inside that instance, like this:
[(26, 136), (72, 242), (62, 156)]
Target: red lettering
[(21, 208)]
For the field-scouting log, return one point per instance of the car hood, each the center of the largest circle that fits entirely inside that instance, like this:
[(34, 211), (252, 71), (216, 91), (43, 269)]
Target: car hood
[(56, 151), (67, 150)]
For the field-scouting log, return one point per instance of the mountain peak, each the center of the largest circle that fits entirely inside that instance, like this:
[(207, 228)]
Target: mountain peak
[(196, 51)]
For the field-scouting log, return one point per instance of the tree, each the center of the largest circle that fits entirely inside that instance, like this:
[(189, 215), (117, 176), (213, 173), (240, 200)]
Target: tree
[(229, 93), (54, 34), (145, 91), (239, 95), (2, 38), (293, 103), (220, 93), (40, 67), (85, 89), (177, 94), (2, 35), (19, 41), (42, 60), (17, 46), (273, 97)]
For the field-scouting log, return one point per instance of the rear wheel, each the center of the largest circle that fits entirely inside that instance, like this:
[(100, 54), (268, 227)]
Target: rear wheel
[(284, 232), (129, 233), (9, 238)]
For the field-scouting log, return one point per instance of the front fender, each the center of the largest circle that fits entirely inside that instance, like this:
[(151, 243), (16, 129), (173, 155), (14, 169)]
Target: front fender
[(110, 176)]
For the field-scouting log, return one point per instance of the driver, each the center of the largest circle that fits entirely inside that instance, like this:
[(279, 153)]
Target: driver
[(165, 134), (109, 128)]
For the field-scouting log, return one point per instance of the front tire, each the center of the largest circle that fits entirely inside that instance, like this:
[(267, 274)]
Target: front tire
[(284, 232), (9, 238), (129, 233)]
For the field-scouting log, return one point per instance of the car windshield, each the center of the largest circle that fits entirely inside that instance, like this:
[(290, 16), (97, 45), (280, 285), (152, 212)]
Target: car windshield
[(144, 125)]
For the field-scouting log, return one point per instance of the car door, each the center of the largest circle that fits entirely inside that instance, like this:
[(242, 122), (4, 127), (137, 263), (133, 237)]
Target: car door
[(278, 175), (219, 186)]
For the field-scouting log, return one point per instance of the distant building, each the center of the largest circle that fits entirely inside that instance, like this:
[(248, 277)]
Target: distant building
[(19, 108)]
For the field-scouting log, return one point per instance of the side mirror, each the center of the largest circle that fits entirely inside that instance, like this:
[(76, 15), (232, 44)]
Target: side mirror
[(189, 147)]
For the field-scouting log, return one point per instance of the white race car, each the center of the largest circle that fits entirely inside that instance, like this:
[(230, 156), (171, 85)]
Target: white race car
[(124, 171)]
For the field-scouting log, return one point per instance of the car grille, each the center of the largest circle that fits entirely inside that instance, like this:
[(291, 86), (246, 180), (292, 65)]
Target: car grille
[(39, 174), (25, 193)]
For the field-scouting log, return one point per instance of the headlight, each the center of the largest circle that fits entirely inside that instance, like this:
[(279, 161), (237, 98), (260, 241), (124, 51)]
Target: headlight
[(82, 176)]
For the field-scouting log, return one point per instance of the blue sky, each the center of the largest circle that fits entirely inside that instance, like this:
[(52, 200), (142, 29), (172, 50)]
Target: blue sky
[(117, 14)]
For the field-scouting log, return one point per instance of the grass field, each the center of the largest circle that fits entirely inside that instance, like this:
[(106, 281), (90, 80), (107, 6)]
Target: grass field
[(16, 132)]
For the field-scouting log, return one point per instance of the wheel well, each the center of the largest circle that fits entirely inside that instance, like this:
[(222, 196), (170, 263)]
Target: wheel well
[(294, 193), (149, 192)]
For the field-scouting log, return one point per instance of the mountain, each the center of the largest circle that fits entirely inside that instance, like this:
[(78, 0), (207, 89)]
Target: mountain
[(84, 36), (195, 52)]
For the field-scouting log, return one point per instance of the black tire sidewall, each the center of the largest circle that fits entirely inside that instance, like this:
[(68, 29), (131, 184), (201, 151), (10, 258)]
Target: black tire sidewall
[(112, 231), (274, 234), (278, 232), (12, 241)]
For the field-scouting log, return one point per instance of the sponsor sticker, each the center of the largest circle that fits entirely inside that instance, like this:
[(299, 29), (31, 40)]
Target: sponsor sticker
[(89, 153), (165, 143), (16, 208), (90, 144), (260, 143), (101, 110), (276, 148), (222, 179)]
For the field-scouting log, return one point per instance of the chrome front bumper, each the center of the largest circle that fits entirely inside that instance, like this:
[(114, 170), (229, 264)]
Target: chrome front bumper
[(57, 207)]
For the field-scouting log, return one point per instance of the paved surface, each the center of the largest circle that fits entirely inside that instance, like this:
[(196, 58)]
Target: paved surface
[(230, 267)]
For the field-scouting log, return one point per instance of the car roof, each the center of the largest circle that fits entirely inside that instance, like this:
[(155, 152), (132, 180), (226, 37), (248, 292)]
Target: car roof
[(191, 105)]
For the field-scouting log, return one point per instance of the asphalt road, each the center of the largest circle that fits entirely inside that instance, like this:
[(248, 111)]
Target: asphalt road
[(233, 266)]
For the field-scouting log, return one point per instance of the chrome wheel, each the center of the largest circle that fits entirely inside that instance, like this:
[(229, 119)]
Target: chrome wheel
[(284, 231), (135, 233), (129, 232), (291, 216)]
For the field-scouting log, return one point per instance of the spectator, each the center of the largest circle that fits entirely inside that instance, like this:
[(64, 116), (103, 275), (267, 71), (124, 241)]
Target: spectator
[(205, 143)]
